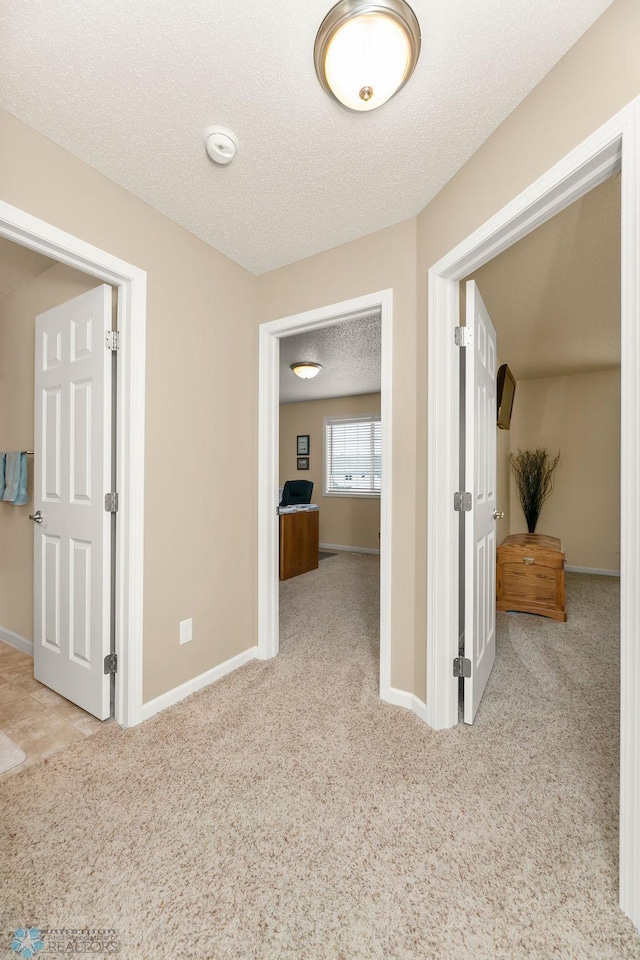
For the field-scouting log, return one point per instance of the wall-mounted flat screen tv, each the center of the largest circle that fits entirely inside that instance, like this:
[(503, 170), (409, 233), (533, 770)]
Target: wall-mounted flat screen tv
[(506, 392)]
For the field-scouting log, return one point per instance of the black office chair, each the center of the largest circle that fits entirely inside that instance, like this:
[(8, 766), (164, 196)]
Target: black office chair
[(296, 491)]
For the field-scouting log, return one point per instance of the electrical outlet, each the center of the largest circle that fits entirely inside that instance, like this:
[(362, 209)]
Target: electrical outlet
[(186, 630)]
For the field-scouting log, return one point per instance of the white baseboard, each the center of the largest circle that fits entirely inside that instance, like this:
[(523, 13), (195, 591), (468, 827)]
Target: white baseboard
[(402, 698), (600, 573), (338, 547), (197, 683), (15, 640)]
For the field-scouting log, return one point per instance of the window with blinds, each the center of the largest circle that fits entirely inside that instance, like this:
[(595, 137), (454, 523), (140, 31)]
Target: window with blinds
[(353, 456)]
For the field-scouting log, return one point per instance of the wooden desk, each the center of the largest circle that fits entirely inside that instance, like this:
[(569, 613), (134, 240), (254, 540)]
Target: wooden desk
[(299, 537)]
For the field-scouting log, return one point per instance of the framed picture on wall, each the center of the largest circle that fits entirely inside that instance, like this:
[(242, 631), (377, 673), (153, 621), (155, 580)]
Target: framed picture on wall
[(303, 463), (303, 447)]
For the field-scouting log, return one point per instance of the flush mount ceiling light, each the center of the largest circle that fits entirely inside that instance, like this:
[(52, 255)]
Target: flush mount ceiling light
[(366, 51), (305, 369)]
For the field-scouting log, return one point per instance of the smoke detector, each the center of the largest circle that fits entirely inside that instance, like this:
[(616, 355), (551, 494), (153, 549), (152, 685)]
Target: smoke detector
[(221, 144)]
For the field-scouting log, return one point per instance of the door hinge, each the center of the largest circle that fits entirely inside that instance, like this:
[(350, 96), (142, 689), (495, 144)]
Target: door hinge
[(111, 663), (461, 667), (112, 340), (111, 502), (463, 336), (462, 501)]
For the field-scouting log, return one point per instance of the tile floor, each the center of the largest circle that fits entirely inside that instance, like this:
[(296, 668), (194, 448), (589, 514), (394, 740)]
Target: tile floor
[(38, 720)]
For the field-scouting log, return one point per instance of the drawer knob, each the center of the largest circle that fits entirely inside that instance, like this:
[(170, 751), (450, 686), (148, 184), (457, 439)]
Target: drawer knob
[(529, 560)]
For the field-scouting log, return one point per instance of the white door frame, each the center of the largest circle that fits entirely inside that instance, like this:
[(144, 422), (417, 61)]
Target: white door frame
[(615, 144), (28, 231), (270, 335)]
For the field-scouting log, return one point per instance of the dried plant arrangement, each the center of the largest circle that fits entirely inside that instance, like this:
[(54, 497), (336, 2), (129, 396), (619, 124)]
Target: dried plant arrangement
[(533, 471)]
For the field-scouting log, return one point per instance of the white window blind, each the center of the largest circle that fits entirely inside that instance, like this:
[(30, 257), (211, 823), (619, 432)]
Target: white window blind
[(353, 456)]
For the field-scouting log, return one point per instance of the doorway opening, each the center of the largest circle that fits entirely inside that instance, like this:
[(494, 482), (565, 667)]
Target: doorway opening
[(331, 457), (554, 301), (269, 450), (56, 589), (130, 282), (615, 146)]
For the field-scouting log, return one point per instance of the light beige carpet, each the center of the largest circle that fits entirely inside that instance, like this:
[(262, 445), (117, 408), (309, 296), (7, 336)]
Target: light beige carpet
[(286, 814), (10, 754)]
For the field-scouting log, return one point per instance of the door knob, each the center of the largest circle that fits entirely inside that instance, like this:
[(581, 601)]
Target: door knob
[(498, 515), (36, 517)]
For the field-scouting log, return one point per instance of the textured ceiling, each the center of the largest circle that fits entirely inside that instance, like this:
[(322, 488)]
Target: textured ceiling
[(18, 265), (350, 356), (554, 297), (130, 87)]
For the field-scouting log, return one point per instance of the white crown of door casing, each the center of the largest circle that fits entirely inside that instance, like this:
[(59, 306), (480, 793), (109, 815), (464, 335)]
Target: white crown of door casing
[(29, 231), (616, 144)]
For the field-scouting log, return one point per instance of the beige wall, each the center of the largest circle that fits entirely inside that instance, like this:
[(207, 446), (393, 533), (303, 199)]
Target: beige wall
[(596, 78), (377, 262), (344, 521), (200, 545), (579, 416), (18, 311)]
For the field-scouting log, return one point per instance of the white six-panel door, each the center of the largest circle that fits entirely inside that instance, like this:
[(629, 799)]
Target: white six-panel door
[(480, 525), (72, 473)]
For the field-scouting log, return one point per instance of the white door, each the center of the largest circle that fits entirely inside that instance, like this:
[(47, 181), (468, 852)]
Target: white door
[(480, 524), (72, 473)]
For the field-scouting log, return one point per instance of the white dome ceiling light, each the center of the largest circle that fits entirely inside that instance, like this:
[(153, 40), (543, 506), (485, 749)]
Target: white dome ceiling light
[(305, 369), (366, 50), (220, 143)]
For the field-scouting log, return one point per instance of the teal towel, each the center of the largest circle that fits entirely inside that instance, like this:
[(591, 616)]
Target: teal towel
[(22, 497), (15, 479), (3, 458)]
